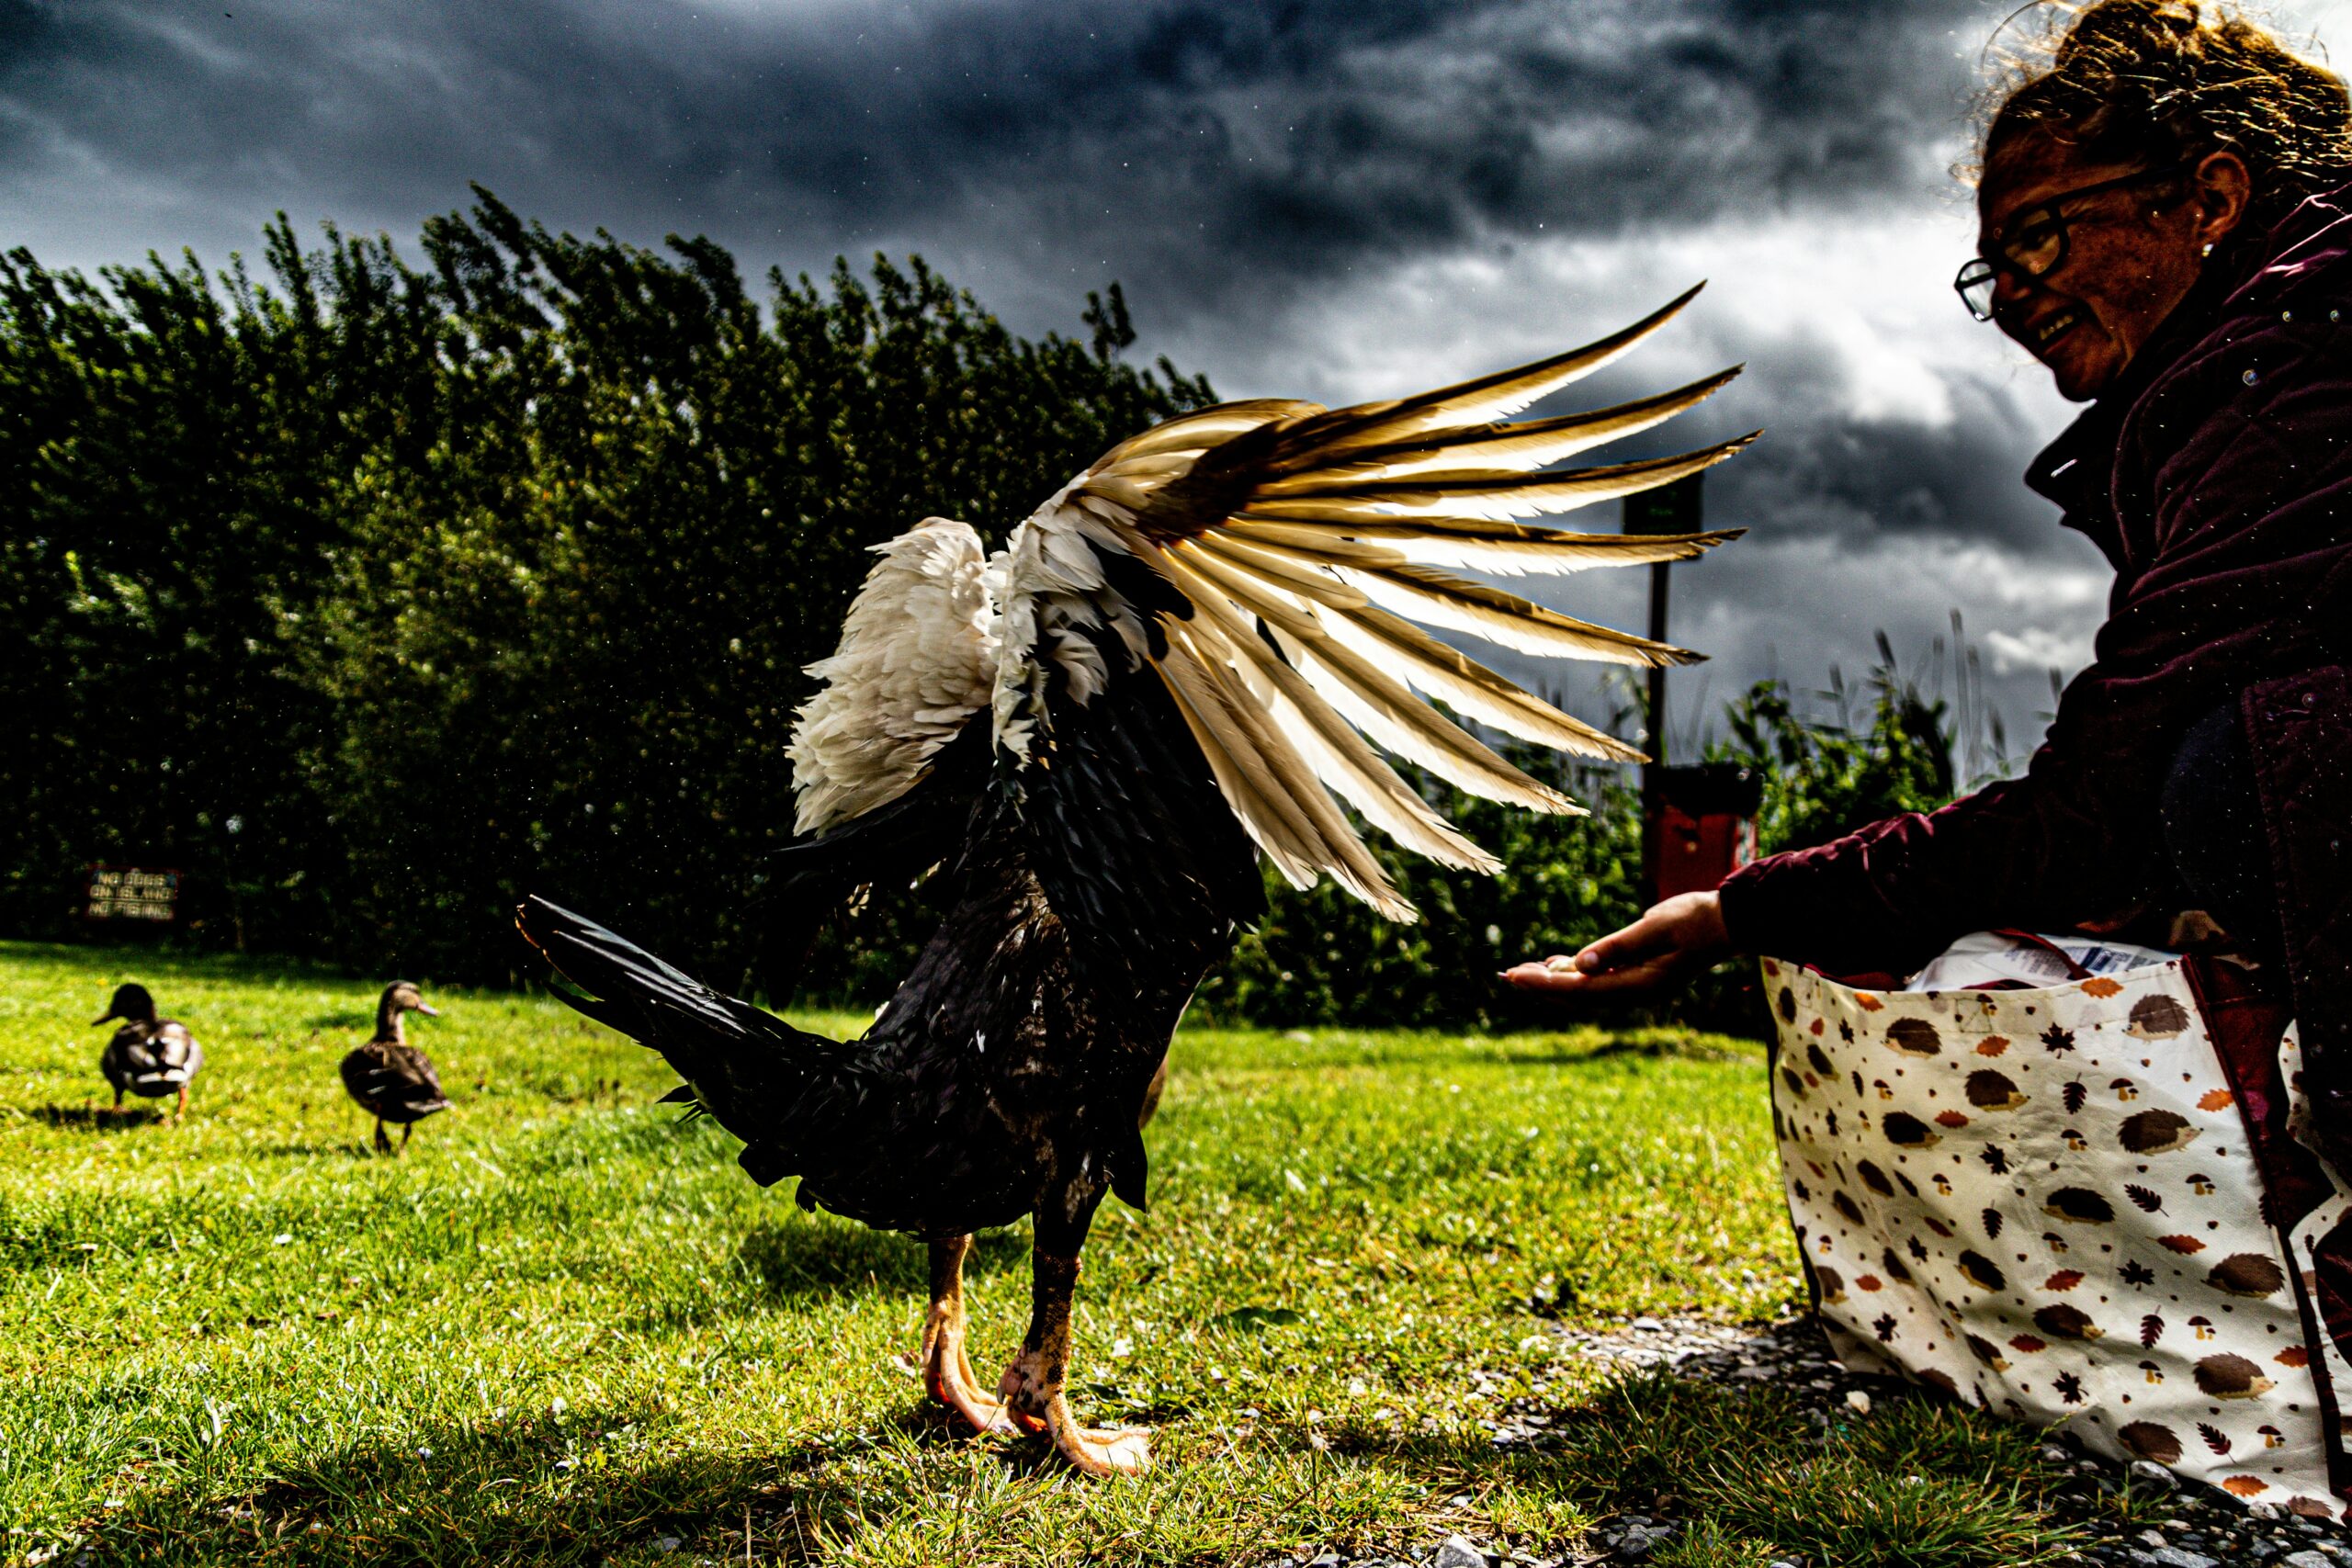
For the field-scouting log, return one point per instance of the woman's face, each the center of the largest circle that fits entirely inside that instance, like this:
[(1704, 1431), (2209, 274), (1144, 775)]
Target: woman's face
[(2131, 253)]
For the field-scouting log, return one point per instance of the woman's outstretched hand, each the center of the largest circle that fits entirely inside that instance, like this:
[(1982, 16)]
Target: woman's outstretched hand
[(1670, 943)]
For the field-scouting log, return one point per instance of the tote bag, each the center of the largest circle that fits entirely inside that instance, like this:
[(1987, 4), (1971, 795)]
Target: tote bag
[(2081, 1206)]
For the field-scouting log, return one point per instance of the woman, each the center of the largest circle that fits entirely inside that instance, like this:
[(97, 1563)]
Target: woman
[(2164, 222)]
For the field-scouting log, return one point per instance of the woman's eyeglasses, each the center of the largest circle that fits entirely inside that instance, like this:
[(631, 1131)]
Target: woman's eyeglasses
[(2034, 244)]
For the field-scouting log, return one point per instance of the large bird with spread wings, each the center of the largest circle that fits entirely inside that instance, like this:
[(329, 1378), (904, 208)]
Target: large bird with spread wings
[(1195, 654)]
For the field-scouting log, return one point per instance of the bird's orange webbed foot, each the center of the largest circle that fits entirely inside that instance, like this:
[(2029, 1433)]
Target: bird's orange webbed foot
[(1034, 1399), (947, 1371)]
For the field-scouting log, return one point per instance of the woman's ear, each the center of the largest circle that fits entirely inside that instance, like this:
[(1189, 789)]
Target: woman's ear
[(2222, 188)]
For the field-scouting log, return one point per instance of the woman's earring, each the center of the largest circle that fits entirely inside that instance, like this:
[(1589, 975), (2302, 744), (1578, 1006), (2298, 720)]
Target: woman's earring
[(2208, 252)]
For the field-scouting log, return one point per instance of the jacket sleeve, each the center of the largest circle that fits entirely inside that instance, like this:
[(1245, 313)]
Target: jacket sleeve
[(2246, 454)]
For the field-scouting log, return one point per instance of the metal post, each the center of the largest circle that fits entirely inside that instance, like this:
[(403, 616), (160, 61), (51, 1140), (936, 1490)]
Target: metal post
[(1655, 741), (1675, 508)]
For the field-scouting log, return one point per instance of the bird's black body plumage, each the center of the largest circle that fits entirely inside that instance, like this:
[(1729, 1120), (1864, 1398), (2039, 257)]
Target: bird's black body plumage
[(1008, 1071), (1190, 656)]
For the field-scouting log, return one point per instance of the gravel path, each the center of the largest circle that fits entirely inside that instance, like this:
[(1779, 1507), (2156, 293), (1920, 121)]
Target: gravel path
[(2201, 1530)]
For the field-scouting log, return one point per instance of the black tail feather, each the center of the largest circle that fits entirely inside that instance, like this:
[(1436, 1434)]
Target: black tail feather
[(581, 1001), (752, 1070)]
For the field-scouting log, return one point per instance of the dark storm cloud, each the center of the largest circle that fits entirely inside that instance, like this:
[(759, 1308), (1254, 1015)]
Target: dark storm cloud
[(1852, 476), (1209, 148), (1257, 174)]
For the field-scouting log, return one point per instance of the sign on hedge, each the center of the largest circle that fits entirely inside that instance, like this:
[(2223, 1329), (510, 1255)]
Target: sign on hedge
[(131, 893)]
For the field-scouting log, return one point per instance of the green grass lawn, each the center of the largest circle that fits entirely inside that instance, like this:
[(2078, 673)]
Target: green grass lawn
[(565, 1328)]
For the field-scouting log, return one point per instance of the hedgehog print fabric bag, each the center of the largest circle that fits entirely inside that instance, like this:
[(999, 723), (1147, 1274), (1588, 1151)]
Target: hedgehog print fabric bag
[(2082, 1206)]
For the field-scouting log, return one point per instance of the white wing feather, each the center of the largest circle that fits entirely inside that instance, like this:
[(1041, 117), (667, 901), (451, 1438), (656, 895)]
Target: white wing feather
[(917, 655)]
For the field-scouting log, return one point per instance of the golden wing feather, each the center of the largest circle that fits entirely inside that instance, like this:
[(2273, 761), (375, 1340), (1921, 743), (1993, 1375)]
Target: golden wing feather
[(1439, 599), (1503, 451), (1338, 754), (1475, 501), (1504, 550), (1340, 852), (1385, 709), (1443, 671), (1313, 546), (1481, 398)]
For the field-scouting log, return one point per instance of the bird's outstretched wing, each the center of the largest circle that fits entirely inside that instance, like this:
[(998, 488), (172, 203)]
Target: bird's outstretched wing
[(1268, 561), (917, 657)]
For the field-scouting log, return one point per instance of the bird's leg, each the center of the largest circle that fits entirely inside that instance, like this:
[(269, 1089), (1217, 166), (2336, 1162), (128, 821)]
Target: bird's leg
[(946, 1372), (180, 1111), (383, 1140), (1152, 1094), (1032, 1386), (118, 1102), (406, 1128)]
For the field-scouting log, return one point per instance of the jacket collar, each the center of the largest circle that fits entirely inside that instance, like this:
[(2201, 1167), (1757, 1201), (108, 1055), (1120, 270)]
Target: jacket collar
[(2310, 241), (2078, 470)]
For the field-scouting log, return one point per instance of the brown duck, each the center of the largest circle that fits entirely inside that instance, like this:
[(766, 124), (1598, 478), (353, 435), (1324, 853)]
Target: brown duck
[(148, 1057), (391, 1079)]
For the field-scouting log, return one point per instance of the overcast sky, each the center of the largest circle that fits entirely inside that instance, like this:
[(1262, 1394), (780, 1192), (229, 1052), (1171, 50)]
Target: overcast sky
[(1329, 198)]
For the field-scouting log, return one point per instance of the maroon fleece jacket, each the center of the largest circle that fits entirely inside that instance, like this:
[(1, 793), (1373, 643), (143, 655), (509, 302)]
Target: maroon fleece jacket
[(2216, 476)]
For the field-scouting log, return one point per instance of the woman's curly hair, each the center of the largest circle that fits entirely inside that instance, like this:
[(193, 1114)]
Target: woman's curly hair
[(2158, 82)]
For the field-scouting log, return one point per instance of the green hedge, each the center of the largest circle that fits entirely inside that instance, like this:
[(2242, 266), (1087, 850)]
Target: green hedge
[(373, 596)]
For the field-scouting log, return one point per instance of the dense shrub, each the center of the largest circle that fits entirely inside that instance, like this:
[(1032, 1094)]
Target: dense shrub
[(1825, 775), (373, 595)]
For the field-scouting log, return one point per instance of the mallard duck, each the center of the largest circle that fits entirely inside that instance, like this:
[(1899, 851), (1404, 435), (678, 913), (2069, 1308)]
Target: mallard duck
[(148, 1057), (391, 1079), (1097, 733)]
